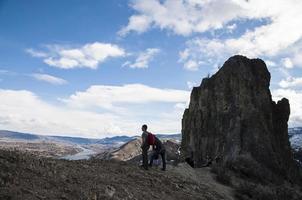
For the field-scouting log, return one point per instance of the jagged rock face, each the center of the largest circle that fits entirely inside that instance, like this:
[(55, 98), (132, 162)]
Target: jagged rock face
[(232, 115)]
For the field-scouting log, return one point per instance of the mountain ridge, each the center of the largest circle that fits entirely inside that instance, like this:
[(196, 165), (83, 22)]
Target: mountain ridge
[(77, 140)]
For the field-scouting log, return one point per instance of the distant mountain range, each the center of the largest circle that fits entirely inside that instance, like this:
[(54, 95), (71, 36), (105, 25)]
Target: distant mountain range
[(78, 140), (294, 131), (17, 135), (295, 137)]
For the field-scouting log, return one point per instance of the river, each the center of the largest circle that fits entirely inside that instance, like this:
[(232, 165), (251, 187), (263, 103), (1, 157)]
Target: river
[(83, 155)]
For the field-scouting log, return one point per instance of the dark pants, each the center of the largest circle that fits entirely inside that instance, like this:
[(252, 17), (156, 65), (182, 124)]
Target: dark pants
[(155, 154), (145, 156)]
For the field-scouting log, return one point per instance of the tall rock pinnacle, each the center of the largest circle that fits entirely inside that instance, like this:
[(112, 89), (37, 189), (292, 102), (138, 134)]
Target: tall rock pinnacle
[(231, 116)]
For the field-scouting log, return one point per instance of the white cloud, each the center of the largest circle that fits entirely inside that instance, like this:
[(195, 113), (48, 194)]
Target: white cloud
[(143, 59), (138, 23), (231, 27), (296, 56), (89, 55), (295, 102), (185, 17), (94, 112), (279, 33), (270, 63), (182, 17), (291, 82), (191, 84), (287, 63), (191, 65), (203, 51), (35, 53), (110, 97), (50, 79), (203, 15), (22, 110), (284, 72), (181, 106)]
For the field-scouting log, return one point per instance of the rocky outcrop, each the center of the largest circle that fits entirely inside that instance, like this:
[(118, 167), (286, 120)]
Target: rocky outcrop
[(232, 118), (127, 151)]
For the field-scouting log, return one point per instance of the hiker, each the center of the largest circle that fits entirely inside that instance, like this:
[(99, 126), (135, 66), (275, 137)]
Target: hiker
[(145, 146), (158, 149)]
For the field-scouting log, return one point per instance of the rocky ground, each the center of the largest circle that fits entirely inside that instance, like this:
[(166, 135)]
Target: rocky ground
[(24, 176), (40, 148)]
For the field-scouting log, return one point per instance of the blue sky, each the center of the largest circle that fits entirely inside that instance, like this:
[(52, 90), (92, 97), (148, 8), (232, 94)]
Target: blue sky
[(102, 68)]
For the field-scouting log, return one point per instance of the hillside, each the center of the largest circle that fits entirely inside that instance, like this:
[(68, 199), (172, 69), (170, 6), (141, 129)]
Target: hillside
[(131, 151), (23, 176)]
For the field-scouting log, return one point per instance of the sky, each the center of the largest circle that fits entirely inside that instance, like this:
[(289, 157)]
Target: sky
[(103, 68)]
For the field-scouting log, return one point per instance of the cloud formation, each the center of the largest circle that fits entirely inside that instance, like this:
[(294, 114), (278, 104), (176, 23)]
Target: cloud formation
[(93, 112), (278, 32), (291, 82), (109, 97), (143, 58), (182, 17), (49, 79), (87, 56)]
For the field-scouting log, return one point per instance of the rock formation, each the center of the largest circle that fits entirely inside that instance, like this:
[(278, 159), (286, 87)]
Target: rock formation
[(231, 117)]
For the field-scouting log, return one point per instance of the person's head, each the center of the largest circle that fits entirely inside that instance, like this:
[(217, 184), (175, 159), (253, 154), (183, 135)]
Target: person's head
[(144, 127)]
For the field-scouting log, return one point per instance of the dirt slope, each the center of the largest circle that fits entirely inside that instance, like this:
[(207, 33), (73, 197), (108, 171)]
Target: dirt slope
[(26, 177)]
